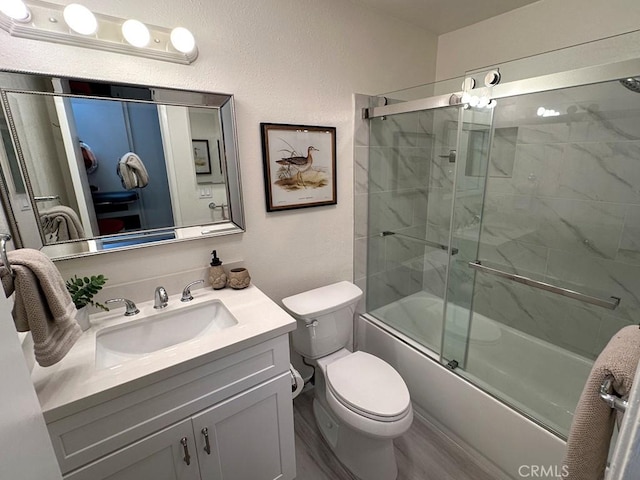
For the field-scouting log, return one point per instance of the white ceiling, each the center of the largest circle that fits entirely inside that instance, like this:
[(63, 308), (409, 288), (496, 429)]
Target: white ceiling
[(442, 16)]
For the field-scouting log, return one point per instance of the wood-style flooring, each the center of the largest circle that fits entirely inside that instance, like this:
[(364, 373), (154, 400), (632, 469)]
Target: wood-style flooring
[(422, 453)]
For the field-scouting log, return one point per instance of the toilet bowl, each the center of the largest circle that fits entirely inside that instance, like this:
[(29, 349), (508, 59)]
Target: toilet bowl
[(361, 402)]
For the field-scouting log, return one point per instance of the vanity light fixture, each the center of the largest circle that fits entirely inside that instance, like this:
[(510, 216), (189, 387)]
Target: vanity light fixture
[(477, 101), (182, 40), (547, 112), (136, 33), (76, 25), (15, 10), (80, 19)]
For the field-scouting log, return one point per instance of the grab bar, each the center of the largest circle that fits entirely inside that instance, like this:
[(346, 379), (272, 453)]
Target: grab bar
[(565, 292), (4, 238), (454, 250), (609, 398)]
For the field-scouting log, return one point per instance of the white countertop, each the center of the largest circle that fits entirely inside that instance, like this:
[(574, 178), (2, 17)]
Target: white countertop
[(74, 384)]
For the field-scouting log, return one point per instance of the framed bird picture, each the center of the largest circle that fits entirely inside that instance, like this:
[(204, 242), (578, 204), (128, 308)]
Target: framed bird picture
[(299, 166)]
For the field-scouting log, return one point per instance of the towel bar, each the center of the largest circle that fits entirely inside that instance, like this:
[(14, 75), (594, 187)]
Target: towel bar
[(4, 238), (565, 292), (47, 198), (605, 394), (454, 250)]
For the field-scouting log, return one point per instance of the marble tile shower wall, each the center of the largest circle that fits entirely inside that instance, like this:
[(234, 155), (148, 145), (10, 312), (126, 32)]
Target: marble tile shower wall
[(393, 165), (569, 214)]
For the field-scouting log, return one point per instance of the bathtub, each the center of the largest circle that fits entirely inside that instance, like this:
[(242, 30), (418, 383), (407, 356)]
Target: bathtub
[(535, 377), (509, 379)]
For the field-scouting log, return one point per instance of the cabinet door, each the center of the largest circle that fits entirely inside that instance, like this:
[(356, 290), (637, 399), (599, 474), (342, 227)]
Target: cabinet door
[(250, 436), (160, 456)]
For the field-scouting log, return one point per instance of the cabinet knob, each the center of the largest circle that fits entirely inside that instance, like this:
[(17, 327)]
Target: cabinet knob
[(187, 457), (207, 446)]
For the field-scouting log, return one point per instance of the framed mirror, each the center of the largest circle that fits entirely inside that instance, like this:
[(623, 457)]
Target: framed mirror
[(90, 166)]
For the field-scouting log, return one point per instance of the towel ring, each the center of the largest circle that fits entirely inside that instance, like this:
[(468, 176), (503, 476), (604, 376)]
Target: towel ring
[(4, 238)]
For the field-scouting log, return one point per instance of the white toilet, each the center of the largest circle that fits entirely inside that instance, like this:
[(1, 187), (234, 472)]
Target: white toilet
[(361, 402)]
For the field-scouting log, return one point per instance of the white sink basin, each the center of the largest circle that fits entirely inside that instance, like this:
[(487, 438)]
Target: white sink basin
[(135, 339)]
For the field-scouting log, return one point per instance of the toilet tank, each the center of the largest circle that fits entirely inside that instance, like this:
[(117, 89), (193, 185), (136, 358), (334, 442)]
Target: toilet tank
[(324, 317)]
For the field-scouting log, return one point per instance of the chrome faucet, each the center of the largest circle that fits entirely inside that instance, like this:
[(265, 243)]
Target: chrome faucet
[(160, 298), (186, 293), (131, 308)]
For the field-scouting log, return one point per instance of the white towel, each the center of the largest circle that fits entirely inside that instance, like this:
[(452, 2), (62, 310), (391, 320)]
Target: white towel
[(132, 171), (61, 223)]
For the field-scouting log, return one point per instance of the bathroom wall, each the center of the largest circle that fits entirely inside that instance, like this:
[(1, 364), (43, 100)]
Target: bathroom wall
[(542, 26), (285, 61)]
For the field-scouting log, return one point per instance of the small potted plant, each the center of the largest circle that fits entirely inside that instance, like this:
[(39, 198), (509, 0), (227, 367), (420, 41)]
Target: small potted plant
[(82, 291)]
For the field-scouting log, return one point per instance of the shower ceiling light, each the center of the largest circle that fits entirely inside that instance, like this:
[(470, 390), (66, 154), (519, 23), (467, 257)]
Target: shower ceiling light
[(52, 23)]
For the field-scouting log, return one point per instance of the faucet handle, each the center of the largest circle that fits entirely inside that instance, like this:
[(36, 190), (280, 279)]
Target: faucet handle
[(186, 293), (131, 308)]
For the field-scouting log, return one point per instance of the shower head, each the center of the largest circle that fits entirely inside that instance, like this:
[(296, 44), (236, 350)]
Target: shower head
[(631, 83)]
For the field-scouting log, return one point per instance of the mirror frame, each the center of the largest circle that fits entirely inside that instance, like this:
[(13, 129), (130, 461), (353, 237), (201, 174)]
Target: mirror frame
[(101, 90)]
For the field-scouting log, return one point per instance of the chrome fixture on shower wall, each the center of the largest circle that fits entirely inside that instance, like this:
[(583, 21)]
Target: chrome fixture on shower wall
[(632, 83), (76, 25)]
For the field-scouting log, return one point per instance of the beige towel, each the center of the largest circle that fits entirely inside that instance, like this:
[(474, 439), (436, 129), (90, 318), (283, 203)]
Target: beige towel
[(132, 171), (61, 223), (42, 304), (593, 421)]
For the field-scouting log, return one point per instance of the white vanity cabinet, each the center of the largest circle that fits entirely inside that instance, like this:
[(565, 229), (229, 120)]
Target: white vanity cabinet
[(159, 457), (228, 419)]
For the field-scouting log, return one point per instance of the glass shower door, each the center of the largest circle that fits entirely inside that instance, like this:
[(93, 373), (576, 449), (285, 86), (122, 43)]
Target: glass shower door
[(562, 208), (411, 171), (473, 137)]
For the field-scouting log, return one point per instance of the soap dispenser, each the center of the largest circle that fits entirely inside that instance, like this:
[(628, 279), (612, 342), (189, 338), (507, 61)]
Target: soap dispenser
[(217, 275)]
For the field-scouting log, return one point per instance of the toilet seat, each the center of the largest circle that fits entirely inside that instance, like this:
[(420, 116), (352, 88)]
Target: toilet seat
[(368, 386)]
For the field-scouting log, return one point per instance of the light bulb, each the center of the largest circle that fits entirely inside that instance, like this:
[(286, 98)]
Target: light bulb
[(182, 40), (136, 33), (15, 9), (80, 19)]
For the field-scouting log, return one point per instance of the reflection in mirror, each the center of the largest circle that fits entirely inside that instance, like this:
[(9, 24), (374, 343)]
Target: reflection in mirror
[(118, 172)]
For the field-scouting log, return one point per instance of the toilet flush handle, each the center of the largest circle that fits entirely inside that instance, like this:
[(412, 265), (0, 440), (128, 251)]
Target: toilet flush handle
[(313, 325)]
